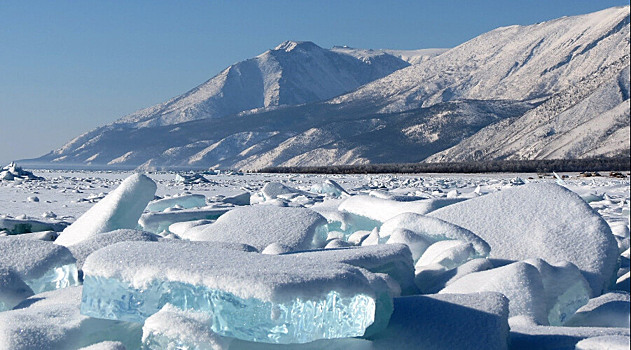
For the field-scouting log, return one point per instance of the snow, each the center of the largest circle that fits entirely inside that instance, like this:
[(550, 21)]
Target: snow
[(610, 342), (52, 320), (172, 327), (183, 201), (384, 209), (541, 220), (178, 269), (262, 225), (119, 209), (157, 222), (608, 310), (43, 266)]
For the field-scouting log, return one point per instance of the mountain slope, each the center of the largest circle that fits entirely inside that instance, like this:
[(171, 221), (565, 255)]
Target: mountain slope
[(514, 63), (553, 89), (290, 74), (588, 119)]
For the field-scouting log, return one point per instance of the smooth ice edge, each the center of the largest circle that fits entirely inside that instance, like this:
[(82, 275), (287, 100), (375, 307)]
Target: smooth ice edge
[(56, 278), (296, 321)]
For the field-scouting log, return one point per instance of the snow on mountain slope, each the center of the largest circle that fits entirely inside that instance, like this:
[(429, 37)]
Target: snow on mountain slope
[(570, 70), (410, 56), (515, 63), (590, 118), (290, 74)]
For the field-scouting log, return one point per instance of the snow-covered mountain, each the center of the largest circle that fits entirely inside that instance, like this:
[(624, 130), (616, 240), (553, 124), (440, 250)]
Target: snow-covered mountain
[(292, 73), (550, 90)]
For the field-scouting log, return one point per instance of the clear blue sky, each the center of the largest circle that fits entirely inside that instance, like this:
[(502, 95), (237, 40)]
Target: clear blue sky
[(67, 67)]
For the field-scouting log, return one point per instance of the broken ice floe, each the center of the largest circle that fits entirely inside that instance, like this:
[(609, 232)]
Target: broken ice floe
[(158, 222), (16, 226), (185, 201), (119, 209), (271, 294), (43, 266), (12, 172)]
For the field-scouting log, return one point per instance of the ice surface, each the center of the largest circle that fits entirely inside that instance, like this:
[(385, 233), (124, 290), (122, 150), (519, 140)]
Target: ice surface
[(119, 209), (12, 289), (43, 266), (272, 295), (609, 342), (183, 201), (20, 226), (238, 199), (86, 247), (157, 222), (520, 282), (173, 328), (565, 288), (262, 225), (382, 210), (52, 320), (608, 310), (447, 321), (393, 259), (541, 220)]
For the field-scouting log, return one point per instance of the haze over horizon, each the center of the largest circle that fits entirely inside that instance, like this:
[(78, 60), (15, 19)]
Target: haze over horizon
[(73, 66)]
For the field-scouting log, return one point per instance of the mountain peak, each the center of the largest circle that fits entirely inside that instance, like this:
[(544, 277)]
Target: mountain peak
[(291, 45)]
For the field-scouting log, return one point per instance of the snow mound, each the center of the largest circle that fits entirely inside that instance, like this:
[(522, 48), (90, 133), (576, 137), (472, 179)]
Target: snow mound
[(384, 209), (447, 321), (12, 289), (52, 320), (119, 209), (43, 266), (607, 310), (541, 220), (609, 342), (172, 328), (519, 282), (262, 225)]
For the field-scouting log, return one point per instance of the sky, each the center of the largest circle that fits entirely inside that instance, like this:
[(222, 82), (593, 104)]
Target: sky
[(67, 67)]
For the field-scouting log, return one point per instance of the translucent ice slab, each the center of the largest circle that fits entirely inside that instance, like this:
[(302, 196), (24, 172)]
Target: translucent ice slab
[(56, 278), (250, 296)]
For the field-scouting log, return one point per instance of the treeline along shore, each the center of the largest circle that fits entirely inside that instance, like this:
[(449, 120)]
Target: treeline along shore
[(497, 166)]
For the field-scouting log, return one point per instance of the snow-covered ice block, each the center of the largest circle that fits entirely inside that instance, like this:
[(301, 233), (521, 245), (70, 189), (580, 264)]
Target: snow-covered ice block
[(12, 289), (157, 222), (262, 225), (121, 208), (431, 281), (250, 296), (328, 344), (392, 259), (447, 321), (446, 255), (432, 230), (624, 282), (330, 188), (106, 345), (238, 199), (180, 228), (43, 266), (382, 210), (52, 320), (417, 243), (519, 282), (184, 201), (609, 342), (608, 310), (529, 337), (541, 220), (173, 328), (17, 226), (565, 288), (86, 247)]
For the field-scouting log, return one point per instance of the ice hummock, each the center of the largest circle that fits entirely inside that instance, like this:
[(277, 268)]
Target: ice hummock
[(12, 289), (120, 209), (541, 220), (51, 320), (251, 296), (382, 210), (262, 225), (43, 266), (158, 222)]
